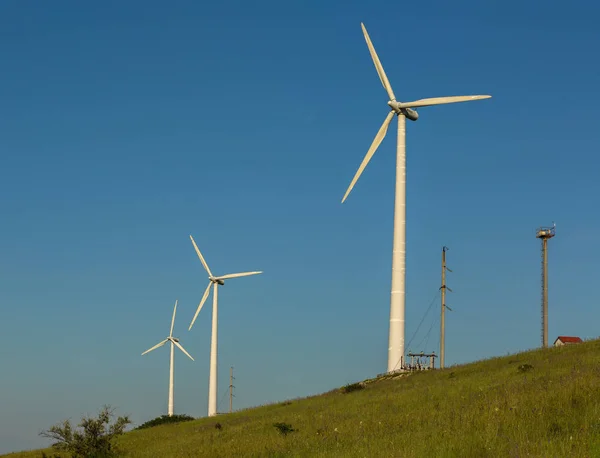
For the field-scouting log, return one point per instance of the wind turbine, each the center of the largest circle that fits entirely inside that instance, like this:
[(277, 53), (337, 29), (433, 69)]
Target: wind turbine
[(174, 343), (401, 110), (216, 281)]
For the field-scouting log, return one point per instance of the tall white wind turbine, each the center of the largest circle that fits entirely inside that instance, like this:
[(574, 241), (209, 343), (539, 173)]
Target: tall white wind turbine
[(174, 343), (401, 110), (213, 281)]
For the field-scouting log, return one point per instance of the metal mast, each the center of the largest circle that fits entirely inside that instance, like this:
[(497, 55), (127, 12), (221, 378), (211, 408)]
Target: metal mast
[(545, 233)]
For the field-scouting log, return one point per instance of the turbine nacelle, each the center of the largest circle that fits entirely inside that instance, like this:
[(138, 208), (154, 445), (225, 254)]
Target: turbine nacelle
[(410, 114), (173, 339), (217, 280), (399, 108)]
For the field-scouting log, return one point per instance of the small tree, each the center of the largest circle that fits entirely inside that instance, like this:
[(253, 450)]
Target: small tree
[(93, 440)]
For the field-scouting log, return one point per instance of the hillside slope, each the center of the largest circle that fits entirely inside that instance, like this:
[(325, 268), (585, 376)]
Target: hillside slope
[(494, 408)]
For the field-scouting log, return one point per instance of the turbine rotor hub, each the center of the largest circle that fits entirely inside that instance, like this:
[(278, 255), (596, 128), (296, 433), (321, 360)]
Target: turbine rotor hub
[(399, 109), (395, 106)]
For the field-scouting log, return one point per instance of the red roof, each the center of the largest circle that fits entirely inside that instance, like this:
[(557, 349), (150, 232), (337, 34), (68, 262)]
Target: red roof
[(567, 339)]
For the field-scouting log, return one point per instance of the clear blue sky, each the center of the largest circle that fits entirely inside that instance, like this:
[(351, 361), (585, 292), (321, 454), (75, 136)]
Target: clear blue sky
[(126, 128)]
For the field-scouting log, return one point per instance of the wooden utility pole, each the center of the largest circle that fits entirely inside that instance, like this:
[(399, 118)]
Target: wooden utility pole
[(231, 389), (444, 306)]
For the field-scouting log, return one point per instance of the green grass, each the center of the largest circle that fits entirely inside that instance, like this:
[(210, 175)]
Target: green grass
[(486, 409)]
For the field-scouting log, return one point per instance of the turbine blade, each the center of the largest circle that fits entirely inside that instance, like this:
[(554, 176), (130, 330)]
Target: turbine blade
[(156, 346), (206, 293), (443, 100), (378, 66), (173, 319), (201, 257), (378, 138), (183, 350), (242, 274)]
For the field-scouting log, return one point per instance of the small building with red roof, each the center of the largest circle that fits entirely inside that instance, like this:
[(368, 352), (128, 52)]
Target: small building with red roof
[(566, 340)]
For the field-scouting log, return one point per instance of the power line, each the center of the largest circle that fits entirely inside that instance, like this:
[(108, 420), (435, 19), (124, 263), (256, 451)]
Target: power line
[(434, 321), (424, 316), (224, 396)]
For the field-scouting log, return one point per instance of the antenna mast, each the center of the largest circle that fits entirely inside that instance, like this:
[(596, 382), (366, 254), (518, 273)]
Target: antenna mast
[(444, 306), (545, 233)]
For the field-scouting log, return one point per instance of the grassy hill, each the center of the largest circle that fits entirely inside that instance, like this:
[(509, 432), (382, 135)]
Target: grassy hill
[(541, 403)]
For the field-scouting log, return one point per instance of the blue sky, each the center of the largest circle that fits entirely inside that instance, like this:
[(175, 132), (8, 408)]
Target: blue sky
[(126, 128)]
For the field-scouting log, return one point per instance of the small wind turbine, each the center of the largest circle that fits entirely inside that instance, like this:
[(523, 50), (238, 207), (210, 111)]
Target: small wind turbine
[(174, 343), (216, 281), (402, 110)]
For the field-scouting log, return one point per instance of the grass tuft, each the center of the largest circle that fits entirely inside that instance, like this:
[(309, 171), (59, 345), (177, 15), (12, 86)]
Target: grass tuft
[(525, 368)]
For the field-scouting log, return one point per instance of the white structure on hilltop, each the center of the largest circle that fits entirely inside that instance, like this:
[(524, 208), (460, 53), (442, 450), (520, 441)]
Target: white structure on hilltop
[(401, 110)]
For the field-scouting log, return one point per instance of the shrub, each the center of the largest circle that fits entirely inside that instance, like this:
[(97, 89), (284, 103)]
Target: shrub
[(525, 367), (284, 428), (352, 387), (165, 419), (94, 440)]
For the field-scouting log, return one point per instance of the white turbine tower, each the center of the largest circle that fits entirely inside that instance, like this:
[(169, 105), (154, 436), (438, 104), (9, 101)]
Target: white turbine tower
[(174, 343), (216, 281), (402, 110)]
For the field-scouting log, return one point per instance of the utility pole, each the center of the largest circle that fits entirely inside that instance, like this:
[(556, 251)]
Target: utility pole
[(444, 306), (231, 389)]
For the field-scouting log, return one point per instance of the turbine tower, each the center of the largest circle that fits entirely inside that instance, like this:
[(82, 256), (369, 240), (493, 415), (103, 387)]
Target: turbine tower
[(213, 281), (401, 110), (545, 233), (174, 343)]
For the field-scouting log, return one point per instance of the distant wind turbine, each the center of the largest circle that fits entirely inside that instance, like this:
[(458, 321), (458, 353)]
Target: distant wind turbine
[(216, 281), (174, 343), (402, 110)]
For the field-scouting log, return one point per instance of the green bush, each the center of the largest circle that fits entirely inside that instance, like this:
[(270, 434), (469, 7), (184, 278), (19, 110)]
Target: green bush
[(165, 419), (93, 440), (352, 387), (284, 428)]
